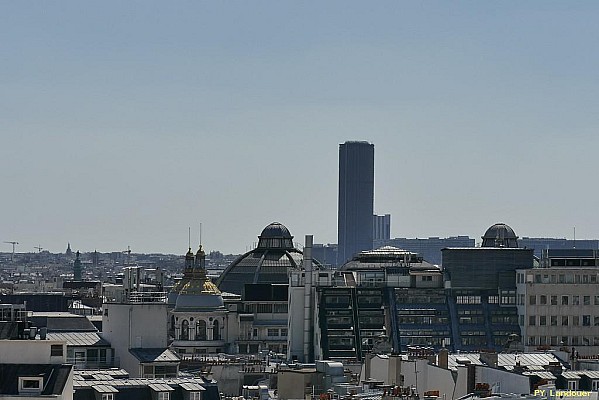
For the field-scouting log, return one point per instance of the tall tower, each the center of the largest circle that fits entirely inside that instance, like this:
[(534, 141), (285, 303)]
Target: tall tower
[(356, 199), (77, 268)]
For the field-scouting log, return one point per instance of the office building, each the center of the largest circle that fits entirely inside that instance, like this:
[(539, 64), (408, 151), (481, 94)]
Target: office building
[(356, 199), (381, 227), (540, 244), (558, 303)]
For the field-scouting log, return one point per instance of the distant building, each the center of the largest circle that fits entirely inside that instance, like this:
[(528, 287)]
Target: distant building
[(77, 268), (325, 253), (429, 248), (356, 199), (492, 266), (540, 244), (381, 227)]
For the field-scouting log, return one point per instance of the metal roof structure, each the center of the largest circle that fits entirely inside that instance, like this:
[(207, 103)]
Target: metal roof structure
[(105, 389), (455, 360), (541, 374), (83, 339), (160, 387), (571, 375), (191, 386), (590, 374), (154, 355), (526, 359)]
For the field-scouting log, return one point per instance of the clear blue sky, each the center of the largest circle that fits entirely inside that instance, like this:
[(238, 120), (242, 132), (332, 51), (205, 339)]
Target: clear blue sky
[(123, 123)]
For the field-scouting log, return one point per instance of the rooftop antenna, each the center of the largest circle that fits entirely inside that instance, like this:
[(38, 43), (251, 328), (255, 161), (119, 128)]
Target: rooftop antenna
[(200, 234), (128, 251), (189, 236), (39, 248), (12, 257), (574, 237)]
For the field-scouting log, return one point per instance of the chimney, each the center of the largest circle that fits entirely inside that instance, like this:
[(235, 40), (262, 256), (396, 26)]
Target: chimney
[(443, 358)]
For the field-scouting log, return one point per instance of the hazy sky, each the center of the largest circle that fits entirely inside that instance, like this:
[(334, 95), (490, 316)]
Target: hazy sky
[(124, 123)]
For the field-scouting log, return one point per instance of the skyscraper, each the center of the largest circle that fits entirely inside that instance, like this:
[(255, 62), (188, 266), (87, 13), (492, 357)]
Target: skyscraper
[(356, 199)]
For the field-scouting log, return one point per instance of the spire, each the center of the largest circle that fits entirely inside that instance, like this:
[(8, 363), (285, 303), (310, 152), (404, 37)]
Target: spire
[(200, 259), (69, 252)]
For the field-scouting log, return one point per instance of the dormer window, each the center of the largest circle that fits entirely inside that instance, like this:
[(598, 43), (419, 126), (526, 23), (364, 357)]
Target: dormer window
[(195, 395), (31, 384), (163, 396)]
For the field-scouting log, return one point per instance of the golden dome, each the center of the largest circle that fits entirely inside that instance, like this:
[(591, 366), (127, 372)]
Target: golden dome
[(198, 286)]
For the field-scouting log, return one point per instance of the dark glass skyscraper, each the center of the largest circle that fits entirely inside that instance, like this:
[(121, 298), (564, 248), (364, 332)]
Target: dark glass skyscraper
[(356, 199)]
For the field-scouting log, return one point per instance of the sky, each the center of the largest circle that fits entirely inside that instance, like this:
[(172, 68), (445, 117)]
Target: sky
[(126, 123)]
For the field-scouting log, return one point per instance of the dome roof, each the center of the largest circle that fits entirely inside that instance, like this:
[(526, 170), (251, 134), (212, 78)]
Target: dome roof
[(276, 230), (270, 262), (195, 302), (199, 294), (500, 235), (275, 236)]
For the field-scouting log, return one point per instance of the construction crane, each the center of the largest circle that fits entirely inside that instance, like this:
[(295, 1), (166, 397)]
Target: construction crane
[(12, 257)]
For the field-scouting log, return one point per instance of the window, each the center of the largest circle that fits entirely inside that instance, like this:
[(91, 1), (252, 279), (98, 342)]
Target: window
[(215, 330), (596, 321), (586, 300), (564, 300), (531, 340), (543, 299), (553, 320), (184, 335), (554, 300), (575, 320), (280, 308), (575, 300), (532, 300), (194, 395), (543, 320), (531, 320), (564, 320), (107, 396), (201, 330), (272, 332), (596, 300), (31, 383), (283, 332), (56, 350), (586, 320), (264, 308), (562, 278), (164, 395)]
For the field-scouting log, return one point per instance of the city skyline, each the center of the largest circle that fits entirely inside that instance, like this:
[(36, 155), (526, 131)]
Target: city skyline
[(124, 126)]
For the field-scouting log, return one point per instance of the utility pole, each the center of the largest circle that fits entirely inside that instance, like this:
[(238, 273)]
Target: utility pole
[(12, 257)]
